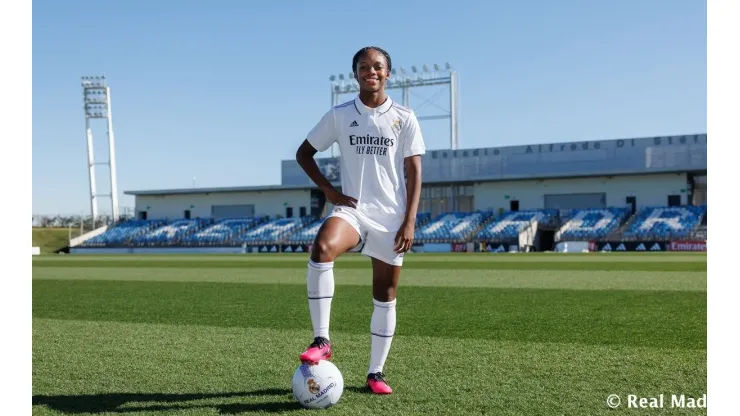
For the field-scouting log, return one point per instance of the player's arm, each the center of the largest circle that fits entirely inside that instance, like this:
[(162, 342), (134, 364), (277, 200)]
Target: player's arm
[(413, 188), (320, 138), (405, 235), (413, 148), (305, 158)]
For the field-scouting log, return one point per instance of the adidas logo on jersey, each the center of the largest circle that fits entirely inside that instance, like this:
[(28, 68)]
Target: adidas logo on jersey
[(354, 124)]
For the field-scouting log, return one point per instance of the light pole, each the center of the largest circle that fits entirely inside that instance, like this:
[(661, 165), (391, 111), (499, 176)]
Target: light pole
[(97, 104)]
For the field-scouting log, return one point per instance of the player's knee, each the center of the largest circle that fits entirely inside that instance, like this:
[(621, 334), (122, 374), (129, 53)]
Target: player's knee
[(386, 294), (324, 251)]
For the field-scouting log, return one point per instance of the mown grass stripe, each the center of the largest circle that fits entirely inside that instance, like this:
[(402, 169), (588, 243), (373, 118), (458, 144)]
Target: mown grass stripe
[(232, 263), (125, 368), (618, 317)]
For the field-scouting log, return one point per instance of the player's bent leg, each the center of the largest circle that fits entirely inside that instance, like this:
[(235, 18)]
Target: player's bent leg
[(382, 323), (335, 237)]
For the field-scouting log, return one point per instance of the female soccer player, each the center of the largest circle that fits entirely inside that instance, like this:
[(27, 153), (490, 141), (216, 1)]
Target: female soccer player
[(378, 140)]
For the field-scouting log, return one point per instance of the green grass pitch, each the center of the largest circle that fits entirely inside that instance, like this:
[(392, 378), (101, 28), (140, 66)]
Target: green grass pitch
[(498, 334)]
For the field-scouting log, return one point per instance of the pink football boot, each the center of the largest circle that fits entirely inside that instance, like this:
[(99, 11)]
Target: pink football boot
[(376, 383), (319, 350)]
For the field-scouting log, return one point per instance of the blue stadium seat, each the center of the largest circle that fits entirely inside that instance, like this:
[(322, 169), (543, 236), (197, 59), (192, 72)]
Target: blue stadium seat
[(451, 227), (590, 224), (224, 232), (308, 234), (274, 231), (422, 218), (123, 233), (512, 223), (173, 233), (664, 223)]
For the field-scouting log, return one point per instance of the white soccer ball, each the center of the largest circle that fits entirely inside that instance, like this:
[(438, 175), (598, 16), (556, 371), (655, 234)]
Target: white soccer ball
[(318, 386)]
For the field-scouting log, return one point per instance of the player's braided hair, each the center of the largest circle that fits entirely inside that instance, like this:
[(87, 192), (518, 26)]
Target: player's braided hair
[(365, 50)]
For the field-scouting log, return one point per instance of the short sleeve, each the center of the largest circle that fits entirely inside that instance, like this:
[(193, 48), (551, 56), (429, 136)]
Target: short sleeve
[(413, 142), (323, 134)]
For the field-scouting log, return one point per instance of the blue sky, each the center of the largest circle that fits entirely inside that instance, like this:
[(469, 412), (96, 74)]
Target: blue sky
[(224, 90)]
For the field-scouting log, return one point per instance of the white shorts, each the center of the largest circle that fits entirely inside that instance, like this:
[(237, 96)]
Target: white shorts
[(376, 244)]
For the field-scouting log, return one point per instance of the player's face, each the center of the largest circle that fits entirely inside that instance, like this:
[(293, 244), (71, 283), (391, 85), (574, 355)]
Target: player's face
[(372, 71)]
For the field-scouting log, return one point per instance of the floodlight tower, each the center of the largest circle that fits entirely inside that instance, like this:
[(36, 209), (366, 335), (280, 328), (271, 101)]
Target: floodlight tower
[(96, 97), (405, 81)]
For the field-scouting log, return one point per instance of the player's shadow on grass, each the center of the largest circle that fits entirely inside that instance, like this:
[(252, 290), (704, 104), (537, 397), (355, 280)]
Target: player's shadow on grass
[(113, 402)]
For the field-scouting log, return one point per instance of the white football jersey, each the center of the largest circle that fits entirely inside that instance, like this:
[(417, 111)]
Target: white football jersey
[(373, 143)]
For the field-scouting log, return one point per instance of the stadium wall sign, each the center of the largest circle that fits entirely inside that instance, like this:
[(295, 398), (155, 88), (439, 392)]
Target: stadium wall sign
[(157, 250), (437, 247), (500, 248), (608, 246), (688, 246), (279, 248), (460, 247)]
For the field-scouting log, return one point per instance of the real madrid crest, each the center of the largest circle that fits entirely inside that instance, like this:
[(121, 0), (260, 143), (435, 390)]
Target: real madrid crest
[(397, 125)]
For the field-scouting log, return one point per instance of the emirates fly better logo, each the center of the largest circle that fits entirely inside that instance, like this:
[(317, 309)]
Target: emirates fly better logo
[(371, 145)]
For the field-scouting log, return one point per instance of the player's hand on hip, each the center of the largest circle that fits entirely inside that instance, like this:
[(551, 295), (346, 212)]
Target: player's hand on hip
[(404, 238), (339, 199)]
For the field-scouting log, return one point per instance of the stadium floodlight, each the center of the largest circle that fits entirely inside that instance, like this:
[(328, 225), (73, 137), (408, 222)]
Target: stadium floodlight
[(413, 69), (393, 71), (97, 105), (426, 68), (341, 77), (447, 66), (332, 78), (436, 67)]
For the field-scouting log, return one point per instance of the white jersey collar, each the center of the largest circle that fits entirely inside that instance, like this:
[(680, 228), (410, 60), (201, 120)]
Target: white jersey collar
[(362, 108)]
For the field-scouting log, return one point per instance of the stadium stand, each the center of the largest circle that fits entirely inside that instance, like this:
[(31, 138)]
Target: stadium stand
[(590, 224), (452, 227), (422, 218), (665, 223), (123, 233), (275, 231), (224, 232), (307, 234), (512, 223), (608, 224), (173, 233)]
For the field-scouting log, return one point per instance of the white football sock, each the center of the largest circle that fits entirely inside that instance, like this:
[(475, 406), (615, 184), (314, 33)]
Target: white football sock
[(382, 328), (320, 287)]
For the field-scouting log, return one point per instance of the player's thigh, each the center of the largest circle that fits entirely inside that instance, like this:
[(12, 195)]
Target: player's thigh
[(386, 264), (336, 236)]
